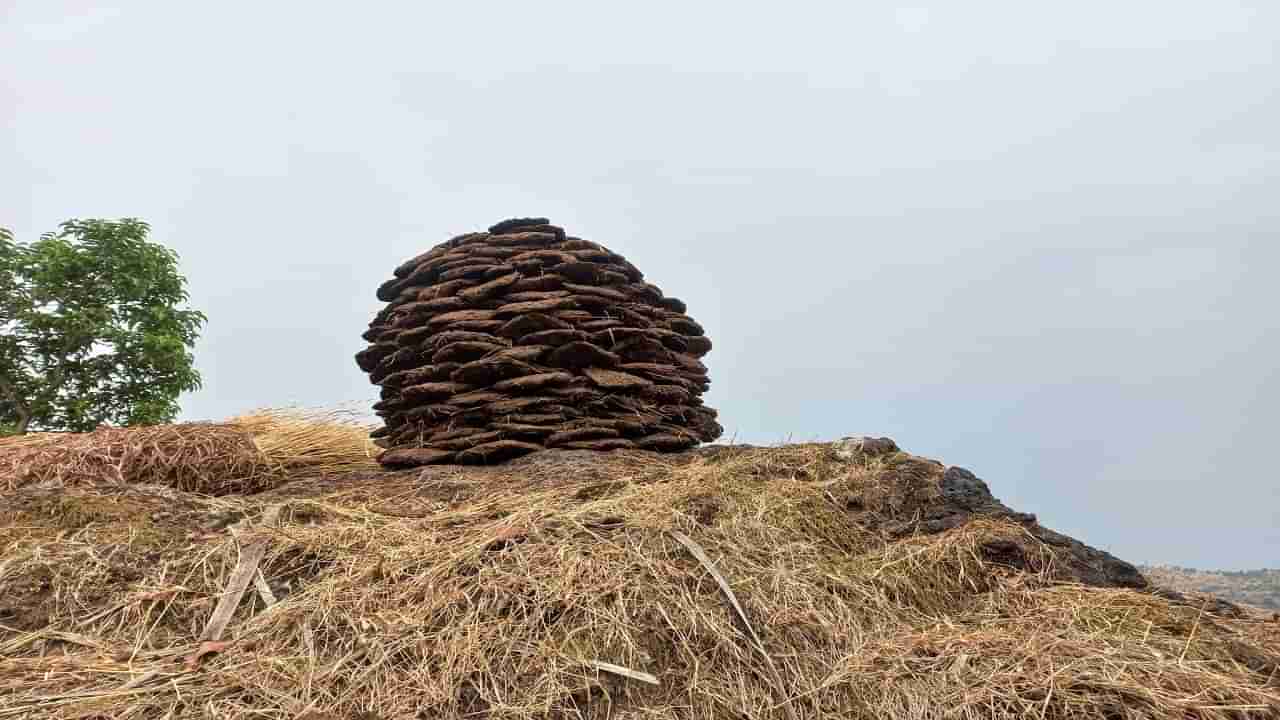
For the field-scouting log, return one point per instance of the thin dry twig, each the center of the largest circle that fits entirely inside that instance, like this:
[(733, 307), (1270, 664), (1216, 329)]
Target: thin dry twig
[(240, 578), (643, 677), (702, 557)]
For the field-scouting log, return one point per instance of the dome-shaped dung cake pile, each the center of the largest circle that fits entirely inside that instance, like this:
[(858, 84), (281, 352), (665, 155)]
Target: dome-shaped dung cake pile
[(500, 343)]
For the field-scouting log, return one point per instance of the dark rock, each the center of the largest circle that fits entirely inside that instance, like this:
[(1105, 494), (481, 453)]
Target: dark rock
[(963, 488)]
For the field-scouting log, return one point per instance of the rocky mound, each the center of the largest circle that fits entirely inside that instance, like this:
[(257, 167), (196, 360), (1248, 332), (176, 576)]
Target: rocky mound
[(499, 343), (804, 581)]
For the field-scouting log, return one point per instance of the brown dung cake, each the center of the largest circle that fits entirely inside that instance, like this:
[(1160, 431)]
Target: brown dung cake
[(496, 344)]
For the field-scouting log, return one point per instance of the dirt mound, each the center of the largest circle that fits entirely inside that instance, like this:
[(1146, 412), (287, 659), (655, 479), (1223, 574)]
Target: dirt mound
[(815, 581), (523, 320)]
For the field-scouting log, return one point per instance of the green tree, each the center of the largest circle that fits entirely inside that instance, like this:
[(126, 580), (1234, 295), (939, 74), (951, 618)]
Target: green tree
[(91, 331)]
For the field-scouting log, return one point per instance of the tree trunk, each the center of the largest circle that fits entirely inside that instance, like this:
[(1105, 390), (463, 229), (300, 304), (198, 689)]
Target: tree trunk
[(22, 410)]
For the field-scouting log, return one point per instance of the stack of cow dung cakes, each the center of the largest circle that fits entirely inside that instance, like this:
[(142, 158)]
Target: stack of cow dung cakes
[(500, 343)]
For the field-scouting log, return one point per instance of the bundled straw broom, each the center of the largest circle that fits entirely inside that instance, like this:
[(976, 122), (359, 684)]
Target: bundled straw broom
[(246, 454)]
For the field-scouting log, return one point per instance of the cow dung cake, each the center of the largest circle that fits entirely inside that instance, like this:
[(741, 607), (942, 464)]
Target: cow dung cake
[(497, 344)]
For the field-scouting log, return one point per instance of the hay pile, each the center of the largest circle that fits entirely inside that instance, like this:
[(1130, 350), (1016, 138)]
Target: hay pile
[(501, 343), (805, 581), (246, 454)]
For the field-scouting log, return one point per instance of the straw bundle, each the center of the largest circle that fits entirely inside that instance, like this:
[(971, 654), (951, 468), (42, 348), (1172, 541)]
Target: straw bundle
[(245, 454)]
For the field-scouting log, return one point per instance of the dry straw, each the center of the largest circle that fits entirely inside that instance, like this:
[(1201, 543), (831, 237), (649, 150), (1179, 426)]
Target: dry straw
[(559, 588), (245, 454)]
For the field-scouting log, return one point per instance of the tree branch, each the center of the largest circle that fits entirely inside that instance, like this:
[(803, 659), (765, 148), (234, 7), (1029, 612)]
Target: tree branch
[(53, 384)]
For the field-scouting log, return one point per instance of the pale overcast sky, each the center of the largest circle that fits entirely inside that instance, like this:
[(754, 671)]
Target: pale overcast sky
[(1039, 240)]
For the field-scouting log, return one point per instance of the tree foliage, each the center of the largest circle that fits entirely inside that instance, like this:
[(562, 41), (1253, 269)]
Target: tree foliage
[(91, 329)]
